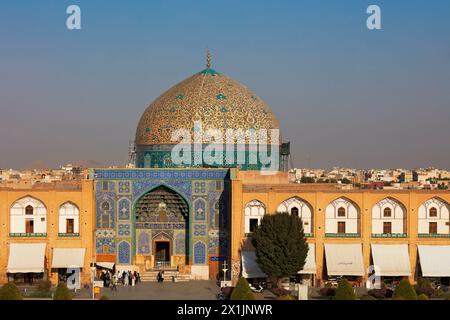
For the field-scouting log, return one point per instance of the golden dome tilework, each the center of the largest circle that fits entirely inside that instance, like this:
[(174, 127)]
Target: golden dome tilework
[(211, 97)]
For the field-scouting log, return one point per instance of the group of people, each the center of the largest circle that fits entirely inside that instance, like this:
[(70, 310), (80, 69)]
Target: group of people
[(125, 278)]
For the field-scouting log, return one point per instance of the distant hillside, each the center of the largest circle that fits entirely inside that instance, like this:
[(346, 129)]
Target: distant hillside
[(37, 164)]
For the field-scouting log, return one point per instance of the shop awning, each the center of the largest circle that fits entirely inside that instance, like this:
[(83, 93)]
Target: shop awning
[(435, 261), (26, 258), (391, 260), (68, 257), (250, 268), (344, 259), (310, 264), (126, 268), (105, 265)]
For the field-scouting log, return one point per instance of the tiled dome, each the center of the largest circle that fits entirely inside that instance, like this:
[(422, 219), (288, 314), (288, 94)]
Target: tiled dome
[(218, 101)]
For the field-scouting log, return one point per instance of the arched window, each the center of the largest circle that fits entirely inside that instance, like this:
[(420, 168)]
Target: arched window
[(342, 218), (388, 218), (254, 212), (434, 217), (69, 217), (433, 212), (300, 208), (28, 216), (29, 210)]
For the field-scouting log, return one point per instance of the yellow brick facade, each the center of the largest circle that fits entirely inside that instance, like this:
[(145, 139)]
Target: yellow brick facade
[(246, 188), (80, 194)]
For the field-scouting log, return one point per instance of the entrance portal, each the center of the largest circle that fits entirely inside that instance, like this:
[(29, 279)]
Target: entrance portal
[(162, 217), (162, 257)]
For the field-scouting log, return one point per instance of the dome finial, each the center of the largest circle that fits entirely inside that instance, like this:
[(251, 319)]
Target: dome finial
[(208, 59)]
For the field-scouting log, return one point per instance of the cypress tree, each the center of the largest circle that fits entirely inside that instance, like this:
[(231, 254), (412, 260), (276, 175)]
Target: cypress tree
[(344, 291), (404, 291), (62, 293), (10, 292), (242, 291), (280, 245)]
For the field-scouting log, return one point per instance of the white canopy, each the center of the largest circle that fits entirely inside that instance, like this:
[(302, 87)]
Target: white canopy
[(126, 268), (68, 257), (344, 259), (435, 261), (106, 265), (310, 264), (250, 268), (26, 258), (391, 259)]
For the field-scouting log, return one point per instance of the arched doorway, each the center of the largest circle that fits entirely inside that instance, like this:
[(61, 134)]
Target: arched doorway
[(162, 219)]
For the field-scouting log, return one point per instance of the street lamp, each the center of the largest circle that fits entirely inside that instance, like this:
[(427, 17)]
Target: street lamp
[(225, 269), (93, 268)]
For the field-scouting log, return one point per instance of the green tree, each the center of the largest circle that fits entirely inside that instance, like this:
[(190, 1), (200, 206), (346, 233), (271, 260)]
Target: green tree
[(404, 291), (280, 245), (242, 291), (346, 181), (62, 293), (307, 180), (10, 292), (422, 296), (344, 291)]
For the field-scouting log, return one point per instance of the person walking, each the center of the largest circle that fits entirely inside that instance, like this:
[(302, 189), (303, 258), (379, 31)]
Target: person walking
[(108, 279), (114, 283), (138, 277), (124, 276), (159, 277), (133, 279)]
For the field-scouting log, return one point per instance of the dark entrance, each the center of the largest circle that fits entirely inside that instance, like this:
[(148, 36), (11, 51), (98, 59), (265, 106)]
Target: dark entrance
[(162, 258)]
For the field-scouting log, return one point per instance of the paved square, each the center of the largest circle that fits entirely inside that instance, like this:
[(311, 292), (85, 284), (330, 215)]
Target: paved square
[(192, 290)]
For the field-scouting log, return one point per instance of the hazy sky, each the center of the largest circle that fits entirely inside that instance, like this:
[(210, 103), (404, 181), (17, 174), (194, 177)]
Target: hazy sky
[(344, 95)]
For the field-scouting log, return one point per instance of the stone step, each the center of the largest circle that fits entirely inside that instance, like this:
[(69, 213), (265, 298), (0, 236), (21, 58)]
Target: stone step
[(152, 276)]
